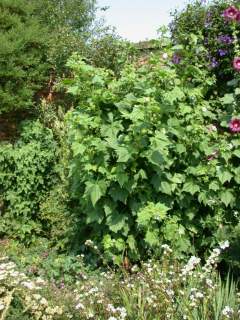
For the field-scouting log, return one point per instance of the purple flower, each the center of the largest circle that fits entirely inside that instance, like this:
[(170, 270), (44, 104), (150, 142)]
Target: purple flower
[(214, 63), (226, 39), (236, 63), (222, 52), (176, 59), (234, 125), (231, 13)]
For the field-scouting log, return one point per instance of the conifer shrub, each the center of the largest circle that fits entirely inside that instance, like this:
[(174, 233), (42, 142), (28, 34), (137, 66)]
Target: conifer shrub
[(23, 63)]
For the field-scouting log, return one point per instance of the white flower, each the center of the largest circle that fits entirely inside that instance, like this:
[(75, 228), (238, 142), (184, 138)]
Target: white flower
[(217, 251), (209, 283), (43, 301), (224, 245), (2, 306), (40, 281), (166, 248), (199, 295), (111, 308), (192, 263), (112, 318), (79, 306), (90, 315), (165, 56), (28, 284), (89, 243), (227, 311)]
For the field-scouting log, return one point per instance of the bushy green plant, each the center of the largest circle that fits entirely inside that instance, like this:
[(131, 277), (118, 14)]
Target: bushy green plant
[(27, 173), (153, 160), (59, 221)]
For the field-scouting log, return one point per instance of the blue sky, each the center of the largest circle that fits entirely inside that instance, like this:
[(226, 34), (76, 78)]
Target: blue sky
[(138, 19)]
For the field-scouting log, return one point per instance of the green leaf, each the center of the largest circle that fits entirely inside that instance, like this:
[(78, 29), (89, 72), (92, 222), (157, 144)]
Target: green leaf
[(116, 222), (152, 237), (191, 187), (78, 148), (228, 98), (152, 211), (123, 154), (227, 197), (96, 194), (214, 185), (95, 190), (202, 197), (122, 178), (132, 243), (156, 158), (94, 216), (166, 187), (237, 175), (119, 194), (180, 148), (224, 175), (237, 153)]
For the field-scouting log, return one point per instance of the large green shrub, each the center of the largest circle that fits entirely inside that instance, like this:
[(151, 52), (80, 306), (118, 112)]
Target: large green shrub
[(27, 173), (153, 160)]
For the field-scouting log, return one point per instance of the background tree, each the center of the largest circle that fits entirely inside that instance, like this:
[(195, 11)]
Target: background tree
[(23, 61), (36, 38)]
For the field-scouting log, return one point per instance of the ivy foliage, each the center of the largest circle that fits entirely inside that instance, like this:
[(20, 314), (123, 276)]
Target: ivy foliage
[(26, 175), (148, 163)]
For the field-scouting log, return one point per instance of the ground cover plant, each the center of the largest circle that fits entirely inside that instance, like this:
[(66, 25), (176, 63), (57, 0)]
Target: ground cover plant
[(151, 290)]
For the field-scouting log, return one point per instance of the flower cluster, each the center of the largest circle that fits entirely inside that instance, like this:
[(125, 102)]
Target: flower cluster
[(14, 283), (154, 288)]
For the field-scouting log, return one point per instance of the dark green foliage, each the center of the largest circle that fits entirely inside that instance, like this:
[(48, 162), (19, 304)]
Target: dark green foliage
[(36, 39), (27, 173), (23, 64), (68, 23), (58, 219), (109, 51)]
